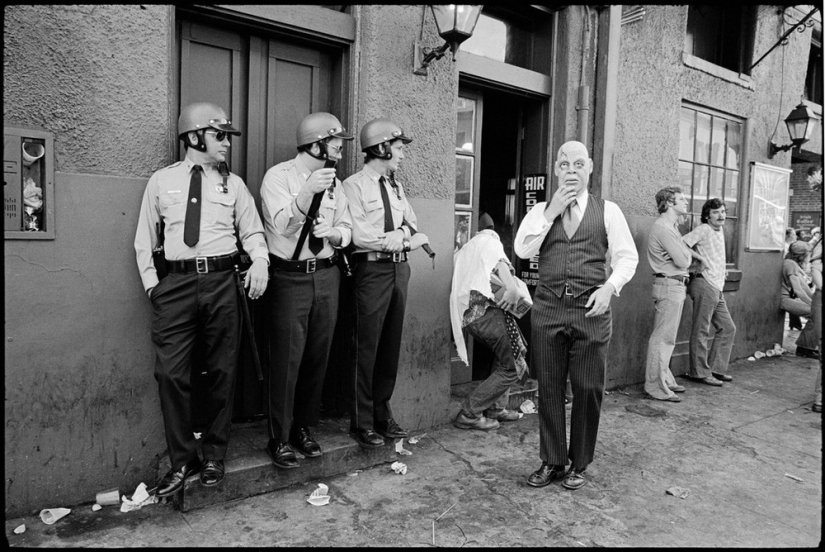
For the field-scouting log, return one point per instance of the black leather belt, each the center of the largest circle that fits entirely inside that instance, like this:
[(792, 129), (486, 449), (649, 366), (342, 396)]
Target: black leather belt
[(203, 265), (381, 257), (683, 279), (307, 266)]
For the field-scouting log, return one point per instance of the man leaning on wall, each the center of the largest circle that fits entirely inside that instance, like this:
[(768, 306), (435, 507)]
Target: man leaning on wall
[(198, 210)]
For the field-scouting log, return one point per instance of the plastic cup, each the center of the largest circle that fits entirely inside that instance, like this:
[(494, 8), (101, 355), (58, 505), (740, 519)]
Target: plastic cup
[(50, 515), (108, 498)]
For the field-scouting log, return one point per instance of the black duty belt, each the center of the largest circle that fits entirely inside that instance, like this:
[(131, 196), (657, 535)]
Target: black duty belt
[(307, 266), (683, 279), (381, 257), (203, 265)]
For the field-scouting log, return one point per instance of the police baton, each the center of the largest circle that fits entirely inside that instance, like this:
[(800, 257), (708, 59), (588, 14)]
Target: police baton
[(250, 333)]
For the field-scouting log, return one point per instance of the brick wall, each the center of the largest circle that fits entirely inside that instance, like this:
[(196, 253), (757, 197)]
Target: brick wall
[(805, 204)]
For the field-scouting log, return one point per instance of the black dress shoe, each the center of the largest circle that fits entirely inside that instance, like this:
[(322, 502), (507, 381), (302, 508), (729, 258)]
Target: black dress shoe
[(574, 479), (722, 377), (545, 475), (367, 438), (390, 430), (173, 481), (302, 441), (805, 352), (282, 456), (212, 472)]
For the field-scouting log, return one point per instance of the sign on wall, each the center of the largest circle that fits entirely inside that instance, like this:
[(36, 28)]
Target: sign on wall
[(806, 219), (768, 215), (532, 191)]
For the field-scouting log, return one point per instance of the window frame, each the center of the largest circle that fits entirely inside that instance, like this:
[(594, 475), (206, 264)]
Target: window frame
[(720, 49)]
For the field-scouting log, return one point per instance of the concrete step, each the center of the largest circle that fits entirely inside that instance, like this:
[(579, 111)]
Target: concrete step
[(519, 392), (249, 469)]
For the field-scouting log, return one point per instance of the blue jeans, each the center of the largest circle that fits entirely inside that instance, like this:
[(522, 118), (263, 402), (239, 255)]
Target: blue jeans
[(668, 300), (491, 330), (709, 307)]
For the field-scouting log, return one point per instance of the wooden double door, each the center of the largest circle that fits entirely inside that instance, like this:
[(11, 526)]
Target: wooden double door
[(266, 84)]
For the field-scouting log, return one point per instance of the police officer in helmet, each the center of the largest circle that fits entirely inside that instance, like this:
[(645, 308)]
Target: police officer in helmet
[(382, 224), (307, 221), (198, 211)]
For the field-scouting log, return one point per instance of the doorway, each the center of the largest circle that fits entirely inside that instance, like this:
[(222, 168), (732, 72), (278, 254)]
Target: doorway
[(500, 140)]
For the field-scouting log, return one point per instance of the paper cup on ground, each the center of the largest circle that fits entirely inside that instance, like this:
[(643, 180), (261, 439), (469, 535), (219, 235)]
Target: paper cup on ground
[(108, 498), (50, 515)]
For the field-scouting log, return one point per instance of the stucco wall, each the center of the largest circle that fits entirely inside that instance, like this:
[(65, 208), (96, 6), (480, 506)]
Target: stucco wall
[(653, 82), (425, 108), (81, 405)]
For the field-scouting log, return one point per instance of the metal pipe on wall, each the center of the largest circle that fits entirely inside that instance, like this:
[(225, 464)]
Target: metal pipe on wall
[(583, 100)]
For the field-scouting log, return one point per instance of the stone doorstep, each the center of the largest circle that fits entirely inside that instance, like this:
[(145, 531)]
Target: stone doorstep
[(249, 469)]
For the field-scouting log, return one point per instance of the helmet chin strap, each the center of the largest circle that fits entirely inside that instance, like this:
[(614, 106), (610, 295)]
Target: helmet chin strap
[(322, 153), (201, 145)]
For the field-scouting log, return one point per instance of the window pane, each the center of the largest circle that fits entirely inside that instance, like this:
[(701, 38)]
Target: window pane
[(716, 176), (462, 228), (489, 38), (700, 188), (718, 143), (686, 178), (464, 180), (687, 134), (465, 125), (732, 192), (734, 145), (702, 138)]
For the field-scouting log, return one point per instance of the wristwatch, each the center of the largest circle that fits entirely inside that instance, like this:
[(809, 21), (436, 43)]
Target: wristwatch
[(406, 244)]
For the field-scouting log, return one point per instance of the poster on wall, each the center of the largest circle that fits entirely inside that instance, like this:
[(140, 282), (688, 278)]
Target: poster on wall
[(768, 216), (532, 191), (806, 219)]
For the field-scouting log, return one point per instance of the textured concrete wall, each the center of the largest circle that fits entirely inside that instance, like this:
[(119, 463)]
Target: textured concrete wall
[(425, 108), (81, 405), (653, 82)]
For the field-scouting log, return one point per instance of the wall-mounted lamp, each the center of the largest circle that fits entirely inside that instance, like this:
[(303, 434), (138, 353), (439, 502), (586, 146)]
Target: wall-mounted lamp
[(800, 126), (455, 25)]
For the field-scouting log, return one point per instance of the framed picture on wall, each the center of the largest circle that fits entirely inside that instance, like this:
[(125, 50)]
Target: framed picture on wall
[(768, 214)]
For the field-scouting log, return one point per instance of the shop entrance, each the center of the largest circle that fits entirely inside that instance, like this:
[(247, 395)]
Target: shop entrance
[(501, 140)]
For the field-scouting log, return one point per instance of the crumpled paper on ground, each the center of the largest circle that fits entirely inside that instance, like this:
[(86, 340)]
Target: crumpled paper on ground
[(20, 529), (678, 491), (399, 448), (140, 498), (319, 496), (528, 407), (50, 515), (399, 468), (414, 440)]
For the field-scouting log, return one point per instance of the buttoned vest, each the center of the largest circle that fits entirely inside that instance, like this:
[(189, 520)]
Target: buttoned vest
[(578, 261)]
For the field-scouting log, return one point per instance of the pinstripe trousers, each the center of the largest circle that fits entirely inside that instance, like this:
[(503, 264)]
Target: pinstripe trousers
[(566, 343)]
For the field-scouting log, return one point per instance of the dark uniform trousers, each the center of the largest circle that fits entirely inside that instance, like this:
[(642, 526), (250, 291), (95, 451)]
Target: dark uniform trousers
[(381, 298), (185, 306), (566, 343), (303, 309)]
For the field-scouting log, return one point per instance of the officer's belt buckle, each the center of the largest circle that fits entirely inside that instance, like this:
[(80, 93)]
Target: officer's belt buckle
[(201, 265), (311, 265), (396, 257), (567, 290)]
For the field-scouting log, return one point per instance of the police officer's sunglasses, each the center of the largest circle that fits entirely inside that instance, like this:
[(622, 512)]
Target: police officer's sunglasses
[(218, 134)]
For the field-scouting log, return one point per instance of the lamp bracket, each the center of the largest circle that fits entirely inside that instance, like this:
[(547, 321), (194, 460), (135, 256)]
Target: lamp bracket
[(425, 55)]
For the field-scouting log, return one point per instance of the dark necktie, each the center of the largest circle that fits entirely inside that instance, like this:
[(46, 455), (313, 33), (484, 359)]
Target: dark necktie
[(570, 220), (192, 223), (316, 244), (385, 197)]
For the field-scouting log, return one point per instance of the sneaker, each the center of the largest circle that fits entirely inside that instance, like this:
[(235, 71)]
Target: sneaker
[(467, 421), (501, 414)]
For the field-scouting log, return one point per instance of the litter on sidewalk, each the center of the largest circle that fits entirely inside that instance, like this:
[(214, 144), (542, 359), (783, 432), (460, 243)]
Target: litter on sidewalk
[(20, 529), (528, 407), (399, 448), (140, 498), (795, 478), (678, 491), (414, 440), (51, 515), (399, 468), (320, 496)]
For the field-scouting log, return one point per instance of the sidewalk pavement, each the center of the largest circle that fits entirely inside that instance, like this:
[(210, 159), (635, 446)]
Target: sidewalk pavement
[(749, 453)]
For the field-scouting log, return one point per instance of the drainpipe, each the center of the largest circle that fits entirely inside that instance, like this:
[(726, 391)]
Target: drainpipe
[(607, 96), (583, 100)]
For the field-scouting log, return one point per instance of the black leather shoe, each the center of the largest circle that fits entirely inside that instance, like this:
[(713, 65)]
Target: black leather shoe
[(722, 377), (574, 479), (302, 441), (282, 456), (173, 481), (212, 472), (367, 438), (807, 353), (545, 475), (390, 430)]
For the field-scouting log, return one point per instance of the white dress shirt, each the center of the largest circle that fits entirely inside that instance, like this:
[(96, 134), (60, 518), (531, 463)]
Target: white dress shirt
[(620, 246)]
